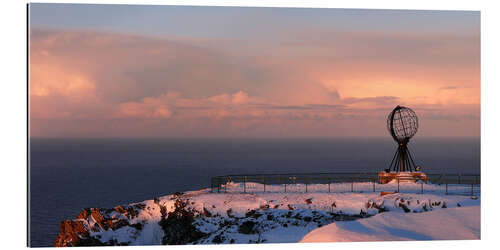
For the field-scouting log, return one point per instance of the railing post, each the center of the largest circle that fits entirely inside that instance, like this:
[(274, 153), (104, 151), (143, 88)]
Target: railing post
[(217, 182), (245, 184), (307, 182), (264, 181)]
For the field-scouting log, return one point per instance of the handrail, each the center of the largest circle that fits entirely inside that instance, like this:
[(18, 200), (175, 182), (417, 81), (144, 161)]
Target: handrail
[(330, 173), (445, 182)]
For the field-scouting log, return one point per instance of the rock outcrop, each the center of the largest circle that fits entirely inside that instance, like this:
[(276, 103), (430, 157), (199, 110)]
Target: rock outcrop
[(80, 232), (181, 219)]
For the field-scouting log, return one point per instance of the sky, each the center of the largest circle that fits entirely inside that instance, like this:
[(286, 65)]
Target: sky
[(179, 71)]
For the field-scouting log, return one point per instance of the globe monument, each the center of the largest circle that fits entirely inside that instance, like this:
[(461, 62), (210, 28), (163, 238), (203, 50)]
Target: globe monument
[(402, 124)]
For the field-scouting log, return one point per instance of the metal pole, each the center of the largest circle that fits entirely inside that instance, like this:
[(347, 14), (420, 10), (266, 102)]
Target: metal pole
[(446, 187), (285, 187), (459, 178), (373, 185), (307, 182), (264, 180), (329, 181), (245, 184), (225, 187), (421, 187), (398, 184), (472, 189)]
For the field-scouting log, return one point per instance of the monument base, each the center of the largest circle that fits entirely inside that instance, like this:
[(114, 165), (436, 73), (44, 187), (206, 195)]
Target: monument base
[(386, 177)]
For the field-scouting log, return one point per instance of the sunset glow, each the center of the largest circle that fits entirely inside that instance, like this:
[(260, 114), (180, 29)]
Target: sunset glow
[(315, 76)]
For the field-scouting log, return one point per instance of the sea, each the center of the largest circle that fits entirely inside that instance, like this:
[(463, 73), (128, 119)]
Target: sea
[(67, 175)]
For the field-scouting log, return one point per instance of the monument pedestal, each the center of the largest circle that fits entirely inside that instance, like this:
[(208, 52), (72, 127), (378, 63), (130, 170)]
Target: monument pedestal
[(386, 177)]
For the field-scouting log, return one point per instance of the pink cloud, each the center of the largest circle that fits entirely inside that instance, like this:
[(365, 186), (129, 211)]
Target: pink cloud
[(113, 83)]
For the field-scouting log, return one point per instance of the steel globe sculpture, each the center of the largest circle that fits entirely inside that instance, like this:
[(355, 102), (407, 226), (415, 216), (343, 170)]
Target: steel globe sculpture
[(402, 124)]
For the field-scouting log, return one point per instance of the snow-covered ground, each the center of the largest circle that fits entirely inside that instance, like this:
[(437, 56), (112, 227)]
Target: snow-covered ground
[(451, 224), (276, 216)]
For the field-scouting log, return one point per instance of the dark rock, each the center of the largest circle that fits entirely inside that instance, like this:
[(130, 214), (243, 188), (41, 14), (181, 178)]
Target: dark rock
[(163, 211), (137, 226), (131, 213), (253, 214), (264, 207), (140, 206), (84, 214), (362, 213), (99, 218), (178, 225), (218, 239), (120, 209), (309, 201), (380, 207), (206, 213), (229, 213), (116, 224), (247, 227), (404, 207)]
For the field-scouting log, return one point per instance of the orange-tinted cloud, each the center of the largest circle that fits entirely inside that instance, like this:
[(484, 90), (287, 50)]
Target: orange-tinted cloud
[(321, 83)]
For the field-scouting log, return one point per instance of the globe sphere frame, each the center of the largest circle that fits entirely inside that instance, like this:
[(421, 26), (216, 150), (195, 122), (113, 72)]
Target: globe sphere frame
[(402, 124)]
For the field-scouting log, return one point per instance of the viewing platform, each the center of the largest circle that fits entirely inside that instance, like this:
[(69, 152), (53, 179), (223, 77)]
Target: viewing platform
[(386, 177)]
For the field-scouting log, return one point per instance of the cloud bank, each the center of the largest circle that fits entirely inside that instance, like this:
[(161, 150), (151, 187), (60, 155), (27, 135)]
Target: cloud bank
[(319, 83)]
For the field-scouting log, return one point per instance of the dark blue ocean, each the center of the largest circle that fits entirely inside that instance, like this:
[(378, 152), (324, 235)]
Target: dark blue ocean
[(70, 174)]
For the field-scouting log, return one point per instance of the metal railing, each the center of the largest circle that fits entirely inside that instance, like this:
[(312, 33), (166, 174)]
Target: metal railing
[(461, 184)]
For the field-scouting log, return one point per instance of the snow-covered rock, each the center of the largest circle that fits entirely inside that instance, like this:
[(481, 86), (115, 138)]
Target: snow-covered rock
[(202, 217)]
